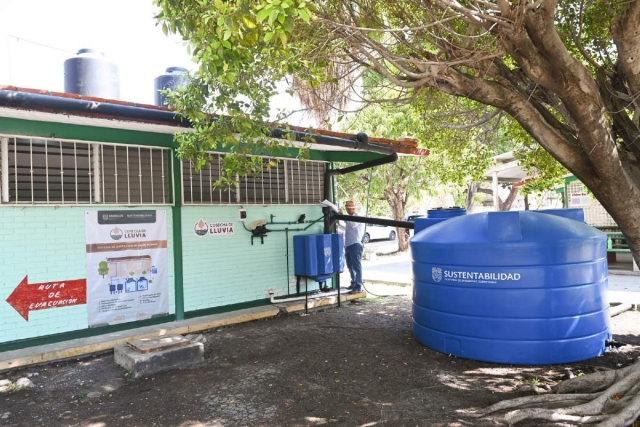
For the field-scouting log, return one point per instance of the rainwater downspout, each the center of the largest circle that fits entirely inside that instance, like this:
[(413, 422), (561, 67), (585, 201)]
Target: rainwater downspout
[(361, 143)]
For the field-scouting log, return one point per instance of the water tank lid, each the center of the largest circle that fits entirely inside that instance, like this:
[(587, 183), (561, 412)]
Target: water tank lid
[(176, 70), (90, 51), (442, 208)]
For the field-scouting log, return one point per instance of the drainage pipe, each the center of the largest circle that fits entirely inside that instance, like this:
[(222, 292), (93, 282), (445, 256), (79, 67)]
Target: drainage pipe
[(621, 308), (377, 221), (324, 294), (361, 143)]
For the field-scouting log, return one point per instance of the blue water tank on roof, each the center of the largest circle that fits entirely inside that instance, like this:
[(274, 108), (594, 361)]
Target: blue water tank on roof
[(511, 287), (173, 78), (435, 216), (90, 73)]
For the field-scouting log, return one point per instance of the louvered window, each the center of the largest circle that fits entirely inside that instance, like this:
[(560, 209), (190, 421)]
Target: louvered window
[(281, 181)]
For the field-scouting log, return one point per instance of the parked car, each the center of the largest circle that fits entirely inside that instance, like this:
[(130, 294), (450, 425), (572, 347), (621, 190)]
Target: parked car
[(412, 217), (379, 232)]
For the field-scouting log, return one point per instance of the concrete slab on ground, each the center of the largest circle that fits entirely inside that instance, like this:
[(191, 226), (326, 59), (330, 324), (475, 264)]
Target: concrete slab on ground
[(144, 364), (151, 345)]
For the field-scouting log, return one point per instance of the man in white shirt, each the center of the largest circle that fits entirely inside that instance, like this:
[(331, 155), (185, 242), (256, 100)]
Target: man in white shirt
[(354, 232)]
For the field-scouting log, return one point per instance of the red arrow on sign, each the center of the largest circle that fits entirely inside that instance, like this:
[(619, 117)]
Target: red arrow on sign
[(39, 296)]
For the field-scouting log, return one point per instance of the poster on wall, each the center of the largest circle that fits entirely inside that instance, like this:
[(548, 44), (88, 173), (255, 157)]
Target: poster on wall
[(127, 269)]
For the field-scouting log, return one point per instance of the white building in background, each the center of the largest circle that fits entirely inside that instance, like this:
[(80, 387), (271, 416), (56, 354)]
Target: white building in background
[(507, 172)]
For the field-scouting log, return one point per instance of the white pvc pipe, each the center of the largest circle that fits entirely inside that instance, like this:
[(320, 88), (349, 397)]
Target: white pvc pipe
[(322, 295), (4, 154), (621, 308)]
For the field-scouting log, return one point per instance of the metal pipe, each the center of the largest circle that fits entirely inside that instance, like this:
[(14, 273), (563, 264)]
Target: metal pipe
[(26, 100), (363, 144), (377, 221), (4, 154), (12, 98)]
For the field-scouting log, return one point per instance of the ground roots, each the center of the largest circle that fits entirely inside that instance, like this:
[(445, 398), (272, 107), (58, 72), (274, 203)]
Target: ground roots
[(608, 399)]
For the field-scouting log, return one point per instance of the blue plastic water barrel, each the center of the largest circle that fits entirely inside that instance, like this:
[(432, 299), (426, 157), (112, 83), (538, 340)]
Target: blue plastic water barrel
[(325, 253), (305, 256), (434, 216), (337, 245), (318, 256), (511, 287)]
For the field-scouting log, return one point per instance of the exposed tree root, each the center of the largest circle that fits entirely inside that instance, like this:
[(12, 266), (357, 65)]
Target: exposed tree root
[(609, 398)]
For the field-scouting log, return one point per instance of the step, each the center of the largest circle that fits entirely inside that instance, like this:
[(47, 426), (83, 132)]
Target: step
[(148, 356)]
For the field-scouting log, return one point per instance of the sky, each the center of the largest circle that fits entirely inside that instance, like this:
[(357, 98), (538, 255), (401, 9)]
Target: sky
[(37, 36)]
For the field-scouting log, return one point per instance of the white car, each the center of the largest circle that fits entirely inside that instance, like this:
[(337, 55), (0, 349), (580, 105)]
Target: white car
[(376, 232)]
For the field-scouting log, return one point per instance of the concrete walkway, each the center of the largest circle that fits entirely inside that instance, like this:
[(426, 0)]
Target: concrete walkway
[(83, 346)]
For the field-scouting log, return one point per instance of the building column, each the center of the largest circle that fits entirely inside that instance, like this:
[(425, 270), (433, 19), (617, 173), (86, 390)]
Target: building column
[(4, 178), (496, 197)]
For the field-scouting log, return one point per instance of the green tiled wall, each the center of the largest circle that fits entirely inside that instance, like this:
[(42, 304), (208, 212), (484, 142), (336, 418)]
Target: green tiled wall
[(227, 269), (48, 244)]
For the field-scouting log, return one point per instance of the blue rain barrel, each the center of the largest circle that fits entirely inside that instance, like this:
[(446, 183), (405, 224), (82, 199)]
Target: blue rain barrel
[(89, 73), (337, 247), (305, 254), (324, 253), (511, 287), (173, 78), (434, 216), (318, 256)]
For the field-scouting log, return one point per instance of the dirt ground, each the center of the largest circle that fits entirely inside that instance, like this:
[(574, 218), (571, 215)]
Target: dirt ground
[(358, 365)]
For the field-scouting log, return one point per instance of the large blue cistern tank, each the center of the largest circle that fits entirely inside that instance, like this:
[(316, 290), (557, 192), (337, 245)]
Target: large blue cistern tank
[(511, 287)]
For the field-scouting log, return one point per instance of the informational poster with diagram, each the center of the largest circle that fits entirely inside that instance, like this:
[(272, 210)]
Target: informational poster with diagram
[(127, 277)]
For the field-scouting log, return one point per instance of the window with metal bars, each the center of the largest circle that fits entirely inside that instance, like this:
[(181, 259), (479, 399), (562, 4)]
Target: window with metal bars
[(281, 181), (51, 171)]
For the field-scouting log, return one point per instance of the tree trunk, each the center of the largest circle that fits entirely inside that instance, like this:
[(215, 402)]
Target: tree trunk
[(472, 190), (610, 398), (508, 202), (513, 193), (397, 201)]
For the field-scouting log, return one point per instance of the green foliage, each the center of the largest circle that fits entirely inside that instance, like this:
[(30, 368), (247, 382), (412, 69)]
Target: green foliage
[(245, 47), (243, 50), (455, 159)]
